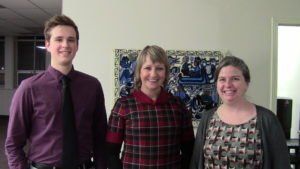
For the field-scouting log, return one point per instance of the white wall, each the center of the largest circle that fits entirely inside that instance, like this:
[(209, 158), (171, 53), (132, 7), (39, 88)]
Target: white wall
[(288, 70), (241, 27)]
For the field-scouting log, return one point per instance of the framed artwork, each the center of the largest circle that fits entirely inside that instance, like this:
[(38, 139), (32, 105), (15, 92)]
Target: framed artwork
[(191, 77)]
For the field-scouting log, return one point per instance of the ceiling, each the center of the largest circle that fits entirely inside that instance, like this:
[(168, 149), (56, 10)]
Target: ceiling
[(26, 17)]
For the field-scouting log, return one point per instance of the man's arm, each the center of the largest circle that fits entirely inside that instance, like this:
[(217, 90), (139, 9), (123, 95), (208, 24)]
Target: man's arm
[(18, 128), (100, 127)]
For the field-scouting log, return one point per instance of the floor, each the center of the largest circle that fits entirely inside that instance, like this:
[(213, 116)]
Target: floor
[(3, 127)]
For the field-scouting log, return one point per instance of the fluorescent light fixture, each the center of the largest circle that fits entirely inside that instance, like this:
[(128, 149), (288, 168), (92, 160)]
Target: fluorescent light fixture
[(41, 47)]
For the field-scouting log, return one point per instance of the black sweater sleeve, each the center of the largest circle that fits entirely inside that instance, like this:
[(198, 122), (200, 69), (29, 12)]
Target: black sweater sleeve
[(114, 161), (186, 150)]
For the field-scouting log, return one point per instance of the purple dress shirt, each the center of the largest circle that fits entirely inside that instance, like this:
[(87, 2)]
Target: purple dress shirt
[(36, 117)]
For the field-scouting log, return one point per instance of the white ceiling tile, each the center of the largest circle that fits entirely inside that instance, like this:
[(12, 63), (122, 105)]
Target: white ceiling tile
[(26, 16), (53, 11), (33, 13), (7, 14), (16, 4), (9, 29), (24, 23), (48, 3)]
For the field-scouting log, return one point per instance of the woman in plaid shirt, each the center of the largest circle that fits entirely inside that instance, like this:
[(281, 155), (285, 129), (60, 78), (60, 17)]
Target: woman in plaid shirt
[(155, 126)]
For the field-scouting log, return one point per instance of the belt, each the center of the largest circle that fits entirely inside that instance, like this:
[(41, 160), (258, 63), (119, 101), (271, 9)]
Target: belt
[(87, 165)]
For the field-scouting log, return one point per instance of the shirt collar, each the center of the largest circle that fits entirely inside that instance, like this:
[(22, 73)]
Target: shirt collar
[(58, 75), (143, 98)]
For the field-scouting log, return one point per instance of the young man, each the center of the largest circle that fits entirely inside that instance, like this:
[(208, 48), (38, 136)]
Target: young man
[(37, 110)]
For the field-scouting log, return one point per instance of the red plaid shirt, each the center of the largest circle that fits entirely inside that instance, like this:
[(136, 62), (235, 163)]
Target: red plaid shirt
[(152, 131)]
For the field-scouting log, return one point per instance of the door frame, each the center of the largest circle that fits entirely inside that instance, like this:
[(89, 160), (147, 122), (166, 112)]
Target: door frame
[(274, 55)]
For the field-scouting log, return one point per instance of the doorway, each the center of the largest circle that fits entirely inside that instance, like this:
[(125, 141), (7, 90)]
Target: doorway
[(288, 83), (286, 67)]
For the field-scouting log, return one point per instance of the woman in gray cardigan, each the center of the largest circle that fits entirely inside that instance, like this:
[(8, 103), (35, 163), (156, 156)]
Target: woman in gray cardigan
[(238, 134)]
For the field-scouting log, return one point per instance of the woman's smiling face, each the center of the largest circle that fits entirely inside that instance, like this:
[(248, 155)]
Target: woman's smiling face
[(231, 85), (152, 76)]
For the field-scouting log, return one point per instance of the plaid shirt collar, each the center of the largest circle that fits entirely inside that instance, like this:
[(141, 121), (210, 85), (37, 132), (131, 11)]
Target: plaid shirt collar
[(143, 98)]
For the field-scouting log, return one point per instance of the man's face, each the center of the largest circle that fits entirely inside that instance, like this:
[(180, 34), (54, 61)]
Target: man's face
[(62, 45)]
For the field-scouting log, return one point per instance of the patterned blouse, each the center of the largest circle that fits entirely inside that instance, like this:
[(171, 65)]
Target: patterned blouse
[(152, 132), (232, 146)]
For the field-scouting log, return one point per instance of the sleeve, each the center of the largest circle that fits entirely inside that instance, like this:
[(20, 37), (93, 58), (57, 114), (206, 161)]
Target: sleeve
[(195, 159), (187, 150), (115, 135), (18, 128), (188, 138), (116, 124), (197, 156), (277, 150), (114, 161), (188, 131), (100, 127)]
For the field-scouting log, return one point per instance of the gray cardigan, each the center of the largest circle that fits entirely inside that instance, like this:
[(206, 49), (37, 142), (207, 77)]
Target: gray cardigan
[(275, 151)]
